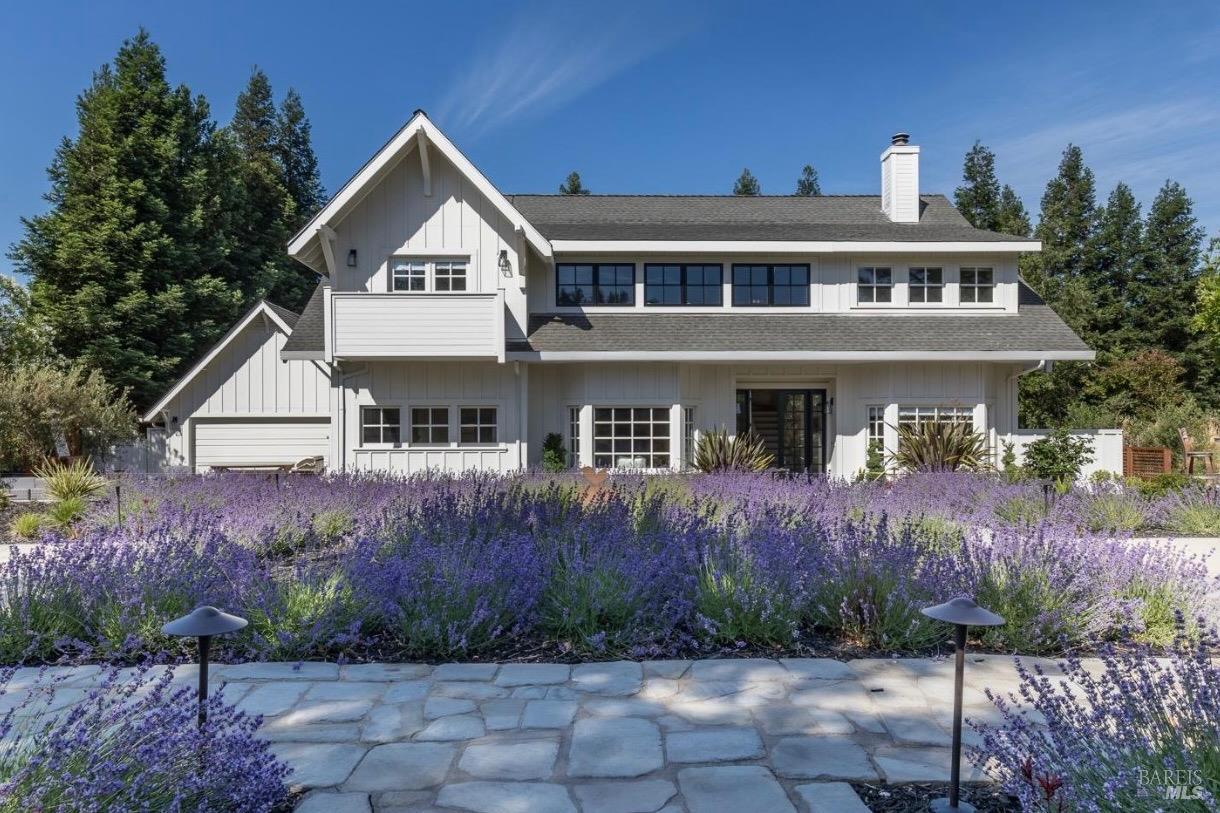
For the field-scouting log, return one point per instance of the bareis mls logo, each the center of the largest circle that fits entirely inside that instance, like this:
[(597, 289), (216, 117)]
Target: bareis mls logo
[(1171, 783)]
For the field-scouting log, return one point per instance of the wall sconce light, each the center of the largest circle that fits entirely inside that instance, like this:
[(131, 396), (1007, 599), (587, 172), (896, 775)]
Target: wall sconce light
[(506, 268), (351, 258)]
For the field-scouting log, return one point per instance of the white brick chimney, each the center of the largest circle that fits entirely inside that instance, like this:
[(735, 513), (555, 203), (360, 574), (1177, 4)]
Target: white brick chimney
[(900, 180)]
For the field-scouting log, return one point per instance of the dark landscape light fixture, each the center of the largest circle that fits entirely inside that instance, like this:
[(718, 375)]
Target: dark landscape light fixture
[(203, 623), (351, 258), (506, 268), (961, 613)]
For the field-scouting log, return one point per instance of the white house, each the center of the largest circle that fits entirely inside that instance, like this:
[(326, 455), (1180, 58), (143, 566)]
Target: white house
[(456, 327)]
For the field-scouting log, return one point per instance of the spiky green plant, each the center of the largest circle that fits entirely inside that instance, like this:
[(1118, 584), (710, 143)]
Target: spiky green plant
[(65, 481), (716, 451), (940, 446)]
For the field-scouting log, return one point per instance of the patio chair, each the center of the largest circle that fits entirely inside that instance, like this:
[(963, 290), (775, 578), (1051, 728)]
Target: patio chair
[(1190, 455)]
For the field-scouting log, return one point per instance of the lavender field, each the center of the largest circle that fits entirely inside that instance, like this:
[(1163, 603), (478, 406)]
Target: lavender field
[(366, 568)]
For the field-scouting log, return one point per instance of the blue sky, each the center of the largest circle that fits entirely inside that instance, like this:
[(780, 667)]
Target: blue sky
[(669, 97)]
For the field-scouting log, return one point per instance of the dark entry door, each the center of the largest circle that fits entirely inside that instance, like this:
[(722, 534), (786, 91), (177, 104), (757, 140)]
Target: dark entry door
[(791, 422)]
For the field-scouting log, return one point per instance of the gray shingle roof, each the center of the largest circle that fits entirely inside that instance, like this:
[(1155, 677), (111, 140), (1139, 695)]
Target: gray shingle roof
[(1035, 328), (731, 217), (308, 334), (288, 316)]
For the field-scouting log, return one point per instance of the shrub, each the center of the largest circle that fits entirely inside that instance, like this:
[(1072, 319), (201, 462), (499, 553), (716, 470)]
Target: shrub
[(1139, 733), (132, 744), (1022, 510), (74, 480), (39, 404), (1195, 513), (939, 446), (554, 455), (1114, 512), (330, 526), (1058, 456), (65, 513), (1160, 484), (715, 451), (27, 526)]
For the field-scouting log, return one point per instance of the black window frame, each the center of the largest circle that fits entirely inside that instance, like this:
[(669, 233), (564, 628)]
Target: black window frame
[(595, 286), (771, 286), (684, 286)]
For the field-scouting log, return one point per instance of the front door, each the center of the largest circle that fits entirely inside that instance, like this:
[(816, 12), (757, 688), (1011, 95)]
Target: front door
[(791, 422)]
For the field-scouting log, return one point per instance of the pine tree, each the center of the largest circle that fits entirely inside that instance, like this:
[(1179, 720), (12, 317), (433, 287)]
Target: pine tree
[(747, 184), (129, 267), (573, 186), (807, 185), (978, 198), (1012, 217), (1164, 292), (267, 216), (1114, 266), (294, 146)]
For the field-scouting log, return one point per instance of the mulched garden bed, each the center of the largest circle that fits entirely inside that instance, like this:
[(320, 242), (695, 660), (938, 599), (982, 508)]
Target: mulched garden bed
[(881, 798)]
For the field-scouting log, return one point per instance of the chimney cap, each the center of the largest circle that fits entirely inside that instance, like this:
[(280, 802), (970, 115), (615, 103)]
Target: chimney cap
[(900, 139)]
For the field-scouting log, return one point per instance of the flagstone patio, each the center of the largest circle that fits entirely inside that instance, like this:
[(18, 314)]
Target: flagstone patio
[(621, 737)]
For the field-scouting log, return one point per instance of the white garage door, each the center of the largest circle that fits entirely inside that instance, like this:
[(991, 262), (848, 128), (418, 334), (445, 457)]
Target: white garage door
[(258, 443)]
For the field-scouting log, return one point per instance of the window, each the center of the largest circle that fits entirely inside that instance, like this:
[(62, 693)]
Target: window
[(592, 284), (874, 285), (770, 285), (450, 276), (379, 425), (477, 425), (876, 429), (631, 437), (917, 415), (978, 285), (408, 275), (688, 436), (926, 285), (574, 436), (683, 284), (430, 425)]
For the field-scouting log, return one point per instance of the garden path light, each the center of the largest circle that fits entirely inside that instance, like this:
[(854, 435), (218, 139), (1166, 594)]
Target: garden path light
[(203, 623)]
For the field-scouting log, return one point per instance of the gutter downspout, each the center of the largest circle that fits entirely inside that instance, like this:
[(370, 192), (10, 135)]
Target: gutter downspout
[(342, 409)]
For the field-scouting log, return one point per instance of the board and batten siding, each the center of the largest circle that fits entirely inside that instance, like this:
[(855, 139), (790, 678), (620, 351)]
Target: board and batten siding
[(435, 384), (396, 217), (247, 380)]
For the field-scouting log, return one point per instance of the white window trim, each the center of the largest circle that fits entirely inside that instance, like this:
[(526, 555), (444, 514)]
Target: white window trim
[(944, 287), (408, 425), (673, 454), (994, 286), (895, 288), (429, 262), (457, 411), (361, 444)]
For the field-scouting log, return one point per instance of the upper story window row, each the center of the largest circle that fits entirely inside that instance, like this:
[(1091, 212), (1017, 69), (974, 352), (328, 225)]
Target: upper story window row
[(681, 284), (925, 285)]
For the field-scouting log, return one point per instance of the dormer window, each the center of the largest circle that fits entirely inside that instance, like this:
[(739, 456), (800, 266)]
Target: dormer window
[(423, 275), (874, 286), (927, 286), (978, 286)]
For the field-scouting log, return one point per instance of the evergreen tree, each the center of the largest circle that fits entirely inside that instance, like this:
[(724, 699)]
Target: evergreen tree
[(129, 266), (25, 338), (267, 216), (978, 198), (1163, 295), (807, 185), (1115, 263), (294, 146), (1012, 217), (747, 184), (573, 186)]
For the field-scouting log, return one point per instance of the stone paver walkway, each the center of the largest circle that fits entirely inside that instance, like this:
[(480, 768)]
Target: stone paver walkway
[(698, 736)]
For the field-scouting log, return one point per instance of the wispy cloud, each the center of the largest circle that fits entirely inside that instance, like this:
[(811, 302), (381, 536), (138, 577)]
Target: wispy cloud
[(1142, 145), (550, 55)]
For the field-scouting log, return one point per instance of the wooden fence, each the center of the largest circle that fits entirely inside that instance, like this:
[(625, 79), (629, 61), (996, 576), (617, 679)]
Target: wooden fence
[(1146, 461)]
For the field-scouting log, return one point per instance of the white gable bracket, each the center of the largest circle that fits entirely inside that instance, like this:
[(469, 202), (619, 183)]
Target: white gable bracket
[(326, 236), (424, 165)]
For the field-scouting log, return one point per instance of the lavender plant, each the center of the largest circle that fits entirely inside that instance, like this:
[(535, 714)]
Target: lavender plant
[(131, 744), (1135, 733)]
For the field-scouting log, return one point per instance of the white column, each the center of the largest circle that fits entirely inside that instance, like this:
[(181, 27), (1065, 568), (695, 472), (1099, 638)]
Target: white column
[(586, 435), (675, 436)]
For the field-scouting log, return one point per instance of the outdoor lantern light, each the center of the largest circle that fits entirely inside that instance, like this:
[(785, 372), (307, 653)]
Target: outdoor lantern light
[(961, 613), (203, 623), (351, 258), (506, 268)]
